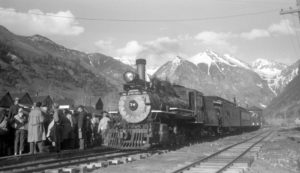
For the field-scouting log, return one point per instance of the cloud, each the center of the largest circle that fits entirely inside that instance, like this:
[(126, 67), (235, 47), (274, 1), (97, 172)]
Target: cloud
[(217, 40), (155, 51), (37, 22), (284, 27), (161, 46), (104, 46), (255, 33), (213, 38), (132, 48)]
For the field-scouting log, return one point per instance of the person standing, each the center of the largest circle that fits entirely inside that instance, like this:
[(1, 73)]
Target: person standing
[(19, 126), (3, 132), (57, 117), (103, 126), (13, 110), (67, 132), (35, 129), (94, 124), (81, 127)]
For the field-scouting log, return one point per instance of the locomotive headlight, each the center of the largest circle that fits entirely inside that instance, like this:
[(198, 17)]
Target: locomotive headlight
[(129, 76)]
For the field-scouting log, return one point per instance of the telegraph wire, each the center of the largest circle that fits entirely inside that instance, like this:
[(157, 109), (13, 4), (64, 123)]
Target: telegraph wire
[(157, 20)]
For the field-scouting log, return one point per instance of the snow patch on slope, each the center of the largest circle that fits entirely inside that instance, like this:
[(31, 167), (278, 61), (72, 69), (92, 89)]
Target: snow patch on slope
[(126, 60), (209, 58), (267, 69), (175, 63), (235, 62), (152, 70)]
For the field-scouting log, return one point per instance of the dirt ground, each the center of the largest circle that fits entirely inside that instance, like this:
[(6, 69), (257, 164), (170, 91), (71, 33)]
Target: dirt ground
[(167, 162), (280, 154)]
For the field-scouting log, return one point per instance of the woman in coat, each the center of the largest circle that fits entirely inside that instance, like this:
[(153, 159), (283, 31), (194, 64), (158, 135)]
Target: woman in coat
[(35, 128)]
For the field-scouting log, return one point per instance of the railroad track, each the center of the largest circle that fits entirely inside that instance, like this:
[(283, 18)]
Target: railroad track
[(26, 158), (232, 159), (79, 163)]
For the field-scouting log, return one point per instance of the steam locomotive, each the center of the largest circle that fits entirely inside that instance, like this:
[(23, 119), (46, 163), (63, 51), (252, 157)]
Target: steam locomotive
[(159, 113)]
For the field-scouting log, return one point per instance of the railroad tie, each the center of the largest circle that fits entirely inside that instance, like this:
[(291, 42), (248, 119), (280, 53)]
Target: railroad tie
[(234, 170), (53, 171), (114, 162), (71, 170)]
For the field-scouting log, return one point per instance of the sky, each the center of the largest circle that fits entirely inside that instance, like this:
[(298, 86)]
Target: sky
[(159, 30)]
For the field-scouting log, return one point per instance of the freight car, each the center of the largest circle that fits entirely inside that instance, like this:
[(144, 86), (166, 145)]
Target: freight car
[(159, 113)]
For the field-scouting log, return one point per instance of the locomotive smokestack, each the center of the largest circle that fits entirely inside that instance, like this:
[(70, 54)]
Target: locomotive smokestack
[(141, 68)]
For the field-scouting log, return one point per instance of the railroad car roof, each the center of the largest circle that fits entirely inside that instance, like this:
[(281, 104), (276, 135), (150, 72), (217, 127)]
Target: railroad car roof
[(255, 108), (189, 89), (218, 98), (244, 109)]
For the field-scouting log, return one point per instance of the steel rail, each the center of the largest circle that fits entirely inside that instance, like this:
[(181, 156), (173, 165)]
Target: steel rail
[(242, 154), (54, 160), (214, 154), (26, 158), (56, 164)]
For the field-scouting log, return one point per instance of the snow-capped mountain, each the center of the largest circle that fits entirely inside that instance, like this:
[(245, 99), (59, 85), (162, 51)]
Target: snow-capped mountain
[(128, 60), (285, 77), (284, 109), (267, 69), (270, 71), (221, 75), (211, 58), (151, 70)]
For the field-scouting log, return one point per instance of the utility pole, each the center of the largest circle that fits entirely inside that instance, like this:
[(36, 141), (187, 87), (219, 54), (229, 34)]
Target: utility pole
[(292, 10)]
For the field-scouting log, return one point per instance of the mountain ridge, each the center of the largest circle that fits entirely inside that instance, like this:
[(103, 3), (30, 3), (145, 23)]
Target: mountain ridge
[(37, 64)]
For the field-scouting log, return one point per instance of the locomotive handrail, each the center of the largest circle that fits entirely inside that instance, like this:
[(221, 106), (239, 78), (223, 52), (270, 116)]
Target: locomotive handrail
[(180, 109), (113, 112), (160, 111)]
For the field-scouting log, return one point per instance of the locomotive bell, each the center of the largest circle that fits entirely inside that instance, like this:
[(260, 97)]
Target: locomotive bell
[(141, 68)]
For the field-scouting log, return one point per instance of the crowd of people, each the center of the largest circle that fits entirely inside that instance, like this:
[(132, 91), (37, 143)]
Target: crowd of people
[(42, 129)]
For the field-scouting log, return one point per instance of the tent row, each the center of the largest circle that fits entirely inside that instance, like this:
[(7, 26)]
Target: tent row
[(7, 99)]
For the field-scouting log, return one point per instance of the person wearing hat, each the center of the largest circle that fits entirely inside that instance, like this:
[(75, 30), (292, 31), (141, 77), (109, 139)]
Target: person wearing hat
[(35, 128), (19, 125)]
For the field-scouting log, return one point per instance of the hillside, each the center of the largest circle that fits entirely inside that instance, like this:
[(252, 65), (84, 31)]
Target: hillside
[(285, 108), (37, 64), (271, 72)]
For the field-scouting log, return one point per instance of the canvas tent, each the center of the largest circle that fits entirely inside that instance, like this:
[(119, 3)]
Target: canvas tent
[(25, 99), (6, 100)]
